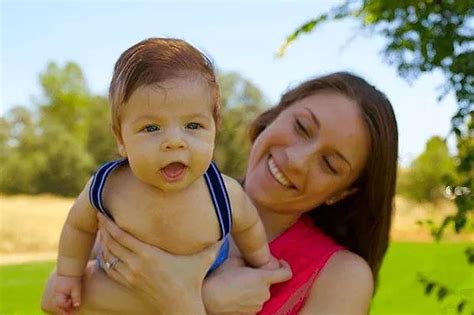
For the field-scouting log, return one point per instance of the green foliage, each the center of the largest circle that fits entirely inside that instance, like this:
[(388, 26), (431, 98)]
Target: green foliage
[(241, 101), (19, 158), (55, 147), (66, 165), (99, 141), (67, 101), (425, 179)]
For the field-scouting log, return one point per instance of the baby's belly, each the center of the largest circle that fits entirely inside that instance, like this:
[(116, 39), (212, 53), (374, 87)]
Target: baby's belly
[(181, 235), (182, 223)]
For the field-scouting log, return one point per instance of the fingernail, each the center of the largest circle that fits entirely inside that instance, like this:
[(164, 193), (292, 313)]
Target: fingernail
[(77, 304)]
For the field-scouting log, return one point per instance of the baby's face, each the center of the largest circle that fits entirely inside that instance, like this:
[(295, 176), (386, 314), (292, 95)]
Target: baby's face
[(168, 132)]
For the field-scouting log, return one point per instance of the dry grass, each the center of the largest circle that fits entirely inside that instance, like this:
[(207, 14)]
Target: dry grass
[(407, 213), (32, 224)]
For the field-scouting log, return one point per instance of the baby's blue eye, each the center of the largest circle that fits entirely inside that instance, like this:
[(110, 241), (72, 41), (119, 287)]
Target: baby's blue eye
[(193, 125), (151, 128)]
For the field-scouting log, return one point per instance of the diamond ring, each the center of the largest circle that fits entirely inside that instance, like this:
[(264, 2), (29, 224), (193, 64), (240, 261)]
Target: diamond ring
[(111, 264)]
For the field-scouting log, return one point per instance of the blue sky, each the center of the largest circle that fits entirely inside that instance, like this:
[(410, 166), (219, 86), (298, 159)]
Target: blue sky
[(239, 36)]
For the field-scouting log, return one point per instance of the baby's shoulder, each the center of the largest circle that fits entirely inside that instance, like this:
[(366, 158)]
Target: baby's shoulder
[(239, 200), (234, 188)]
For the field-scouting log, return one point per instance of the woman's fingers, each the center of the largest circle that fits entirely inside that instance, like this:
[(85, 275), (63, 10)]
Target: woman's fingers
[(119, 273), (122, 237), (283, 273), (113, 249)]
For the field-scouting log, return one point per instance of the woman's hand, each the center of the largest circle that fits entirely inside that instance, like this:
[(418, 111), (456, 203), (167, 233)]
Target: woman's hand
[(236, 289), (171, 283)]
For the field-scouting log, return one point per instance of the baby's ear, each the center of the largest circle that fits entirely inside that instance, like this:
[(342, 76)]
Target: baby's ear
[(120, 145), (121, 149)]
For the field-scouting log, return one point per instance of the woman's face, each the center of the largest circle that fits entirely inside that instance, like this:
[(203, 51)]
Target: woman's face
[(313, 151)]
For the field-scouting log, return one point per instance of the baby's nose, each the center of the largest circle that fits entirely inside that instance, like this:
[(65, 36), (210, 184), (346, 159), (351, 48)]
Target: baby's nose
[(174, 143)]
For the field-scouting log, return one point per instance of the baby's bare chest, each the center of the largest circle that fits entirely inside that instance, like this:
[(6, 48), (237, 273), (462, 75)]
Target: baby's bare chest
[(181, 223)]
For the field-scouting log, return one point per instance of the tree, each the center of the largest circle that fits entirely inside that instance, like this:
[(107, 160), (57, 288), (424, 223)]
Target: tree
[(241, 101), (19, 157), (100, 142), (425, 179), (66, 164), (55, 147), (425, 36), (66, 99)]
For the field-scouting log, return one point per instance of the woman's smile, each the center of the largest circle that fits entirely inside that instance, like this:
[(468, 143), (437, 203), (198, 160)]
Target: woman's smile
[(278, 174)]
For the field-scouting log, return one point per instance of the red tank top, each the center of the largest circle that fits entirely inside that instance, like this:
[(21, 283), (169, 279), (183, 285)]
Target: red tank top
[(307, 249)]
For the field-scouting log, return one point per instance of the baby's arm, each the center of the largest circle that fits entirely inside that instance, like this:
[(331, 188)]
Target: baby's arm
[(247, 228), (76, 242)]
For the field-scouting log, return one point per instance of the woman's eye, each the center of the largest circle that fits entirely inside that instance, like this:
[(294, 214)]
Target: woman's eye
[(193, 125), (151, 128), (329, 166), (302, 129)]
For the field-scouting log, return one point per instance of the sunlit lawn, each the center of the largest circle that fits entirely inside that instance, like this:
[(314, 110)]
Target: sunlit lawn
[(399, 291), (21, 287)]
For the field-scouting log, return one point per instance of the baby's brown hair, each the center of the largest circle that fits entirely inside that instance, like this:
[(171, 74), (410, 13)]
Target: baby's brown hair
[(156, 60)]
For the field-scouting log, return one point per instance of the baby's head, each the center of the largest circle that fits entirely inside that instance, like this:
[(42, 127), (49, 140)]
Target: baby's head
[(165, 107)]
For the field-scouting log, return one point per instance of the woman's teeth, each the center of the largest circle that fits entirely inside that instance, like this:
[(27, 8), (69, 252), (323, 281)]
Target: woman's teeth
[(277, 174)]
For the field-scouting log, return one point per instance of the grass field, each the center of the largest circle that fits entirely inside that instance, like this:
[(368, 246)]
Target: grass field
[(21, 287), (399, 292)]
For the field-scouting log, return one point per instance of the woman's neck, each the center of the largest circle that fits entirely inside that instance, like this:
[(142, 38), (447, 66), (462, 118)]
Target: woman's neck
[(276, 223)]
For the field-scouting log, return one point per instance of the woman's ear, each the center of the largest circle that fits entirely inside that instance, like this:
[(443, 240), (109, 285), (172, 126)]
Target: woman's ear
[(339, 196)]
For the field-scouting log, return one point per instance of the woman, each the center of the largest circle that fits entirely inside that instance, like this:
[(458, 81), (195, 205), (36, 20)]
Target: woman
[(321, 172)]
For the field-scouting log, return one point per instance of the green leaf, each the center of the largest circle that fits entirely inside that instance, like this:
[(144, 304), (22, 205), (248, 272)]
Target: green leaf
[(305, 28), (429, 288), (442, 292)]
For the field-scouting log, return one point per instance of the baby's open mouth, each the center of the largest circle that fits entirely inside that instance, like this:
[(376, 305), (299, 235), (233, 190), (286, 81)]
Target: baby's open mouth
[(174, 171)]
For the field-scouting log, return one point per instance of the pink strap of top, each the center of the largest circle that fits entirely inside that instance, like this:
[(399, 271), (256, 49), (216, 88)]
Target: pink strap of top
[(307, 249)]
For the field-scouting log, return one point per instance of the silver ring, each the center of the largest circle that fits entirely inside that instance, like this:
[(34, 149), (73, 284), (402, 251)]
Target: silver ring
[(111, 264)]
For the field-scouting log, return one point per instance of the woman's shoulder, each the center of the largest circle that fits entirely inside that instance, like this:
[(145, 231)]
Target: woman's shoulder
[(345, 285), (350, 266)]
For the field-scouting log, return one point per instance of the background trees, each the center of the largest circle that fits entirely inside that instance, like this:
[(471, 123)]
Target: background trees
[(425, 179)]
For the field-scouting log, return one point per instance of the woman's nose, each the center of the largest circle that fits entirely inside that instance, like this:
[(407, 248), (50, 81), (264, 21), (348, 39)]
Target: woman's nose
[(299, 157), (173, 141)]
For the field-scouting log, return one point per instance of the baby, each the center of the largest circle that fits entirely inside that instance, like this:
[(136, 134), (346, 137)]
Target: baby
[(165, 191)]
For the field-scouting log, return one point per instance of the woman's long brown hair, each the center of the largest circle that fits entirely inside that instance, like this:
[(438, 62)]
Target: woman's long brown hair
[(361, 221)]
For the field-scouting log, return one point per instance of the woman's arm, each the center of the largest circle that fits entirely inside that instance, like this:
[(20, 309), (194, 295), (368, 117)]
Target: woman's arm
[(344, 286)]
